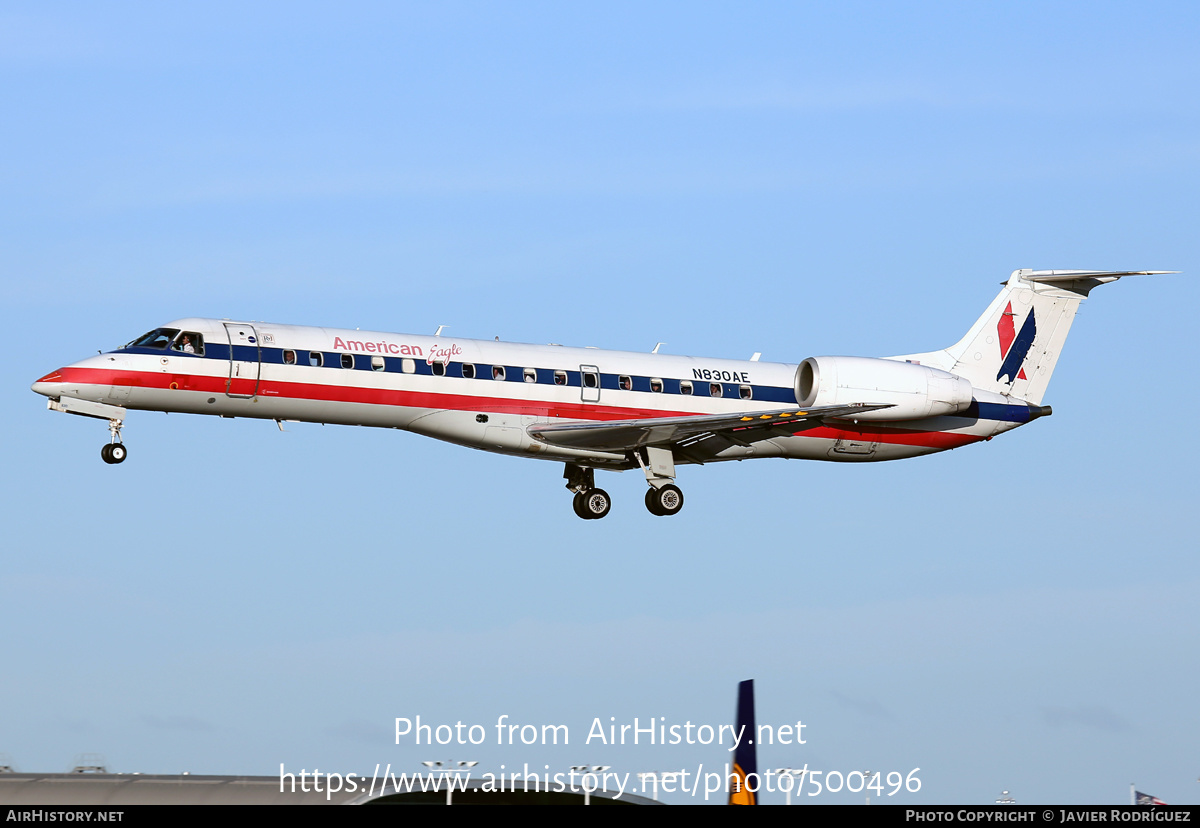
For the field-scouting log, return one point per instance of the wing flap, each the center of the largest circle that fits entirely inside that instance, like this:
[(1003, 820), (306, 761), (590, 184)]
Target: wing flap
[(743, 427)]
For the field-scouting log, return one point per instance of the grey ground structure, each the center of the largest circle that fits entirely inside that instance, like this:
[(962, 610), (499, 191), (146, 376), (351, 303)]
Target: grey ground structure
[(119, 789)]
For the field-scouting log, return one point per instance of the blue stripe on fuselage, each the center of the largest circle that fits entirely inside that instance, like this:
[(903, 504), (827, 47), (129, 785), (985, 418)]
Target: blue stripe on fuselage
[(996, 411), (394, 365)]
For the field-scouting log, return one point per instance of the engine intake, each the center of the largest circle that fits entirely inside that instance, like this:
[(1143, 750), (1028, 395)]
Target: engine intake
[(914, 391)]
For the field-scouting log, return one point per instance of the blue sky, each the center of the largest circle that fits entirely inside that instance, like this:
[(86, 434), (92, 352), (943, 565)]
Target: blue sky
[(795, 179)]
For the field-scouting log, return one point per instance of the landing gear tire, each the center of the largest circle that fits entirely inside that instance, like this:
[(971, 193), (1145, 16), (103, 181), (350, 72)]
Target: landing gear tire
[(652, 502), (114, 453), (592, 504), (578, 505), (664, 501)]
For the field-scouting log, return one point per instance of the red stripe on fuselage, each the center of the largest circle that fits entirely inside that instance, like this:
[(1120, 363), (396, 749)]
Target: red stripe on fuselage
[(897, 436), (274, 389)]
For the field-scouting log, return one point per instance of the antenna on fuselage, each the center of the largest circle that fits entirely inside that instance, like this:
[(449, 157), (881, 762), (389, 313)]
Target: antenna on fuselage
[(754, 358), (441, 328), (656, 347)]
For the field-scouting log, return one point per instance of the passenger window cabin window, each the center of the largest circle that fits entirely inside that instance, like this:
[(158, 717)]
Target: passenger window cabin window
[(745, 392), (560, 377), (498, 372), (715, 389), (377, 363), (316, 359), (591, 380), (468, 370), (530, 374), (685, 388), (347, 360), (656, 385), (625, 383), (408, 366), (289, 357), (439, 368)]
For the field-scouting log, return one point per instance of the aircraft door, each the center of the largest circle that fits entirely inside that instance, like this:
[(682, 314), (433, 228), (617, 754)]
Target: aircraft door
[(245, 360), (589, 376)]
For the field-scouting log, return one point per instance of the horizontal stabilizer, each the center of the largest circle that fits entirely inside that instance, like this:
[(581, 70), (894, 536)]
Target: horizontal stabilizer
[(1069, 275), (744, 427), (1078, 282)]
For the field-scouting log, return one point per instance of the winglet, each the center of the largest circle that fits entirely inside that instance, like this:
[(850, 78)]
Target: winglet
[(745, 758)]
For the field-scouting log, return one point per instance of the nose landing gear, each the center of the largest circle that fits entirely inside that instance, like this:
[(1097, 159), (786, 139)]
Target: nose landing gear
[(115, 452)]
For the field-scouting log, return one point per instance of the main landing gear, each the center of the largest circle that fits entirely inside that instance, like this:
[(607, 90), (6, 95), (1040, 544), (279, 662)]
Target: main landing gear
[(590, 503), (115, 452), (663, 498)]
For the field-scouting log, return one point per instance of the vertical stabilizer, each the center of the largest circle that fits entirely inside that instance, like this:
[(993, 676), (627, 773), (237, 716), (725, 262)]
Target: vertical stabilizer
[(745, 759), (1012, 349)]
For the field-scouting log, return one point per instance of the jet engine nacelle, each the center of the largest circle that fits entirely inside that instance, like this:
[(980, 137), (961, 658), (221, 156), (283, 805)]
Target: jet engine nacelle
[(914, 391)]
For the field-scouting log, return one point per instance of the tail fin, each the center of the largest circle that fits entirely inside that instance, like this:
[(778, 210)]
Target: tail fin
[(745, 758), (1012, 349)]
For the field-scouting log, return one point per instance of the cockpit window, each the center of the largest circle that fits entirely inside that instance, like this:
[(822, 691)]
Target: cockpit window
[(157, 338), (189, 342)]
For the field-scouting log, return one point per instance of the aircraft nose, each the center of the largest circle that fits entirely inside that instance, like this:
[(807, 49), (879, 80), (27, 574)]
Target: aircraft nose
[(49, 385)]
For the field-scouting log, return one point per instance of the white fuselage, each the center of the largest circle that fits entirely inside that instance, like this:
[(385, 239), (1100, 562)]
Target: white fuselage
[(477, 393)]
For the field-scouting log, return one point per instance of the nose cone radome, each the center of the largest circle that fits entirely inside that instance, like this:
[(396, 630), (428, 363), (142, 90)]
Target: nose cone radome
[(49, 385)]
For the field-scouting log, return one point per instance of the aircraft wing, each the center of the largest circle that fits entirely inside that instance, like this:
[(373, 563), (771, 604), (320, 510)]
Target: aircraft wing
[(682, 433)]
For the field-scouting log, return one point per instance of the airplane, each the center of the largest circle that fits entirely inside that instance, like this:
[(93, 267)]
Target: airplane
[(597, 409)]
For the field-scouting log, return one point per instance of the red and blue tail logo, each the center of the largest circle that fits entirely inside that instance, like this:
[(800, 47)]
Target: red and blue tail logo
[(1014, 347)]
